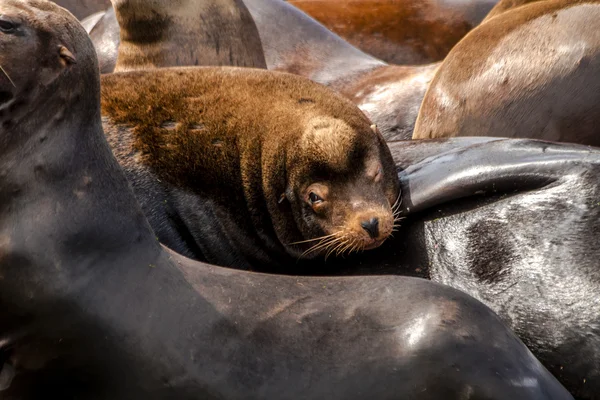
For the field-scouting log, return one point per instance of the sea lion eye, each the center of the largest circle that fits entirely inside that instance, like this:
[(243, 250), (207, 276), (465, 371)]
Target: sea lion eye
[(7, 26), (314, 198)]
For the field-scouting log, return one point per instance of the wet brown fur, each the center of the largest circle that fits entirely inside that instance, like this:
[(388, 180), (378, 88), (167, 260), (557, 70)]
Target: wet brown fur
[(242, 137)]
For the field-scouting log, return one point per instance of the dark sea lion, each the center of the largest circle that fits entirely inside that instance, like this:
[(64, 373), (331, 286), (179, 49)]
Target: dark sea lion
[(83, 8), (501, 80), (505, 5), (399, 31), (515, 224), (294, 42), (91, 306), (251, 164), (186, 32)]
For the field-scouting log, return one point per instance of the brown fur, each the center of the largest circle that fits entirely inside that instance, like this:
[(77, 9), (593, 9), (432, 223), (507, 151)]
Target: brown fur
[(503, 80), (162, 33), (248, 139)]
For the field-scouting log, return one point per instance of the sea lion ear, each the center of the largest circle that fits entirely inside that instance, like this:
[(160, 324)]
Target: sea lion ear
[(66, 55)]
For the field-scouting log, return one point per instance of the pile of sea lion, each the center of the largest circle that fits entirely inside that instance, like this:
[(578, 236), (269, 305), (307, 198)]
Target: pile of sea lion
[(223, 214)]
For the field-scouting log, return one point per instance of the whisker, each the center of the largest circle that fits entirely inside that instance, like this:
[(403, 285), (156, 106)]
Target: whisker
[(323, 244), (4, 72), (313, 240)]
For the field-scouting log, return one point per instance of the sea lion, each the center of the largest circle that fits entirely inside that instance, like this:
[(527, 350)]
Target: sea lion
[(294, 42), (251, 164), (83, 8), (514, 223), (91, 306), (500, 80), (186, 32), (405, 32)]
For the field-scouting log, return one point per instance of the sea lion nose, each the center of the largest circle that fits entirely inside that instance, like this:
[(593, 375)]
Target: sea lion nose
[(372, 227)]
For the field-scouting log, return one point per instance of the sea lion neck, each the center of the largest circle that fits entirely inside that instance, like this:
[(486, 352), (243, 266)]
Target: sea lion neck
[(162, 33), (60, 185)]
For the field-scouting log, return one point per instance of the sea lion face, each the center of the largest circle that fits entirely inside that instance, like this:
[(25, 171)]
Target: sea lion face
[(27, 31), (345, 189)]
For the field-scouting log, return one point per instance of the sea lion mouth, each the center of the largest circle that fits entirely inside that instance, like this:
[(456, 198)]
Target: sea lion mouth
[(374, 244)]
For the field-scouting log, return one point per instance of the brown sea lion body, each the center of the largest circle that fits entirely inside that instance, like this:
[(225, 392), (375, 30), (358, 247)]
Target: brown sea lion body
[(251, 165), (405, 32), (294, 42), (503, 80), (186, 32), (83, 8)]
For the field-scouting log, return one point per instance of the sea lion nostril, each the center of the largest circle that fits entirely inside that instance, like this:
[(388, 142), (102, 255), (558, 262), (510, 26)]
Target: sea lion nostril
[(371, 226)]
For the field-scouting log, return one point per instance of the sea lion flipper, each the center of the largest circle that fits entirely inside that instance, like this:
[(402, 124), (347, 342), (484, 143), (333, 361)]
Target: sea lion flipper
[(497, 167)]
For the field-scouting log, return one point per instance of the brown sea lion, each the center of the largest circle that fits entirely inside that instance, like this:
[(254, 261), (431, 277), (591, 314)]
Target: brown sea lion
[(92, 307), (186, 32), (399, 31), (502, 80), (83, 8), (505, 5), (294, 42), (255, 163)]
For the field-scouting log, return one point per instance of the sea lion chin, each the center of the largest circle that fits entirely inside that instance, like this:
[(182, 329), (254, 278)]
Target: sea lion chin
[(256, 165)]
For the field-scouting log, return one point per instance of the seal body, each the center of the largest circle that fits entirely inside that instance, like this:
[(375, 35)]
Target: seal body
[(254, 163), (92, 307), (405, 32), (501, 81), (296, 43)]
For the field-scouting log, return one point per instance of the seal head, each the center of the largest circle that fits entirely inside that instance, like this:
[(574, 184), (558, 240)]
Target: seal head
[(29, 32), (341, 195)]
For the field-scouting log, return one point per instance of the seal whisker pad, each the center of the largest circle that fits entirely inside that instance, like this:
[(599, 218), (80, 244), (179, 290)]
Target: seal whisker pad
[(322, 156)]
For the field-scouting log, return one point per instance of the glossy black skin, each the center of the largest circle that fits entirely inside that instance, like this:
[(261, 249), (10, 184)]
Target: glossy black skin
[(513, 223), (91, 306)]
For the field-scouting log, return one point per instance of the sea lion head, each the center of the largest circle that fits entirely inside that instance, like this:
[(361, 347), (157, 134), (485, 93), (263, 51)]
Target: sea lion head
[(343, 188), (40, 46)]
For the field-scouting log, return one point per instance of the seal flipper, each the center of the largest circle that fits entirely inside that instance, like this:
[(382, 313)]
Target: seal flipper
[(497, 167)]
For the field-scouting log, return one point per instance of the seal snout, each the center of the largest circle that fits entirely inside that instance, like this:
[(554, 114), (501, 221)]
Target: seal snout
[(371, 226)]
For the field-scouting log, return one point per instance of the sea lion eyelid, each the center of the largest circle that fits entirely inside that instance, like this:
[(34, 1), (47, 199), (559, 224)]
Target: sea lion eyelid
[(7, 26), (314, 198)]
